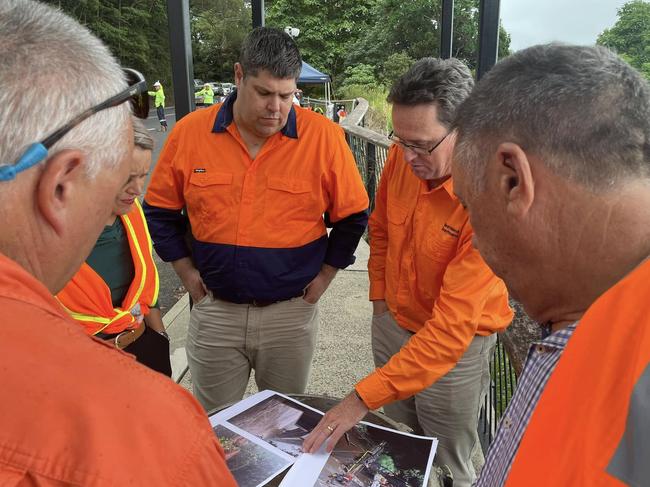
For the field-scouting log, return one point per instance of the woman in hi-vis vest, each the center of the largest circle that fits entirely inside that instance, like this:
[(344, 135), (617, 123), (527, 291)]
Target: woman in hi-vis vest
[(115, 292)]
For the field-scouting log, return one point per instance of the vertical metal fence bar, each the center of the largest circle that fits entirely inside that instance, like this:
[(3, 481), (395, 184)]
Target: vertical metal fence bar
[(371, 181), (180, 46)]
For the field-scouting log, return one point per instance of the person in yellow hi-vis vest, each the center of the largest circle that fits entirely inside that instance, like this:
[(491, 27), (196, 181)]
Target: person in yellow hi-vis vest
[(206, 94), (159, 102), (115, 292)]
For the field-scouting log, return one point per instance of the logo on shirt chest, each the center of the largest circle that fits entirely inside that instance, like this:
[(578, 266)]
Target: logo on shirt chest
[(448, 229), (199, 170)]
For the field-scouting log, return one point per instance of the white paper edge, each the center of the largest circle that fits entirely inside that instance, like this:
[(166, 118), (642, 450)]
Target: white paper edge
[(306, 470), (240, 407)]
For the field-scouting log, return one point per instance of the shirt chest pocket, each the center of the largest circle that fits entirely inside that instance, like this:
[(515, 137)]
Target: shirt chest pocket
[(210, 195), (396, 215), (288, 200), (440, 246)]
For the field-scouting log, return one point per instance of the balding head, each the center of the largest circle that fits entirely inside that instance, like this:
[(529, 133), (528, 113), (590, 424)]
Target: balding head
[(51, 70), (552, 159)]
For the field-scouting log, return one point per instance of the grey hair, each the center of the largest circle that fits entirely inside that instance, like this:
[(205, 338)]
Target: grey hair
[(141, 137), (272, 50), (51, 69), (445, 82), (583, 110)]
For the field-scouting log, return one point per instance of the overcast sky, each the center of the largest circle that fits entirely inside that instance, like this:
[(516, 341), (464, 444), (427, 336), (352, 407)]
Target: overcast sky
[(532, 22)]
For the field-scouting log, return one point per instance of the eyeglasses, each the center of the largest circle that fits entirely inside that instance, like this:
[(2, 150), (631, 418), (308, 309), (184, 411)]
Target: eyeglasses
[(418, 149), (136, 94)]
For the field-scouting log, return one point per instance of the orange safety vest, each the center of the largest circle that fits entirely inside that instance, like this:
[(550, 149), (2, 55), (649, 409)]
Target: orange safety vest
[(588, 426), (87, 298)]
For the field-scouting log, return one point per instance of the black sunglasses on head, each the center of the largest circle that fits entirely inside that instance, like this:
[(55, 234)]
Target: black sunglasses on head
[(136, 94)]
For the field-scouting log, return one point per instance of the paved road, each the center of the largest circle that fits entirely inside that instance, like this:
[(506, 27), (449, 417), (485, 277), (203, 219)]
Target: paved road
[(171, 288)]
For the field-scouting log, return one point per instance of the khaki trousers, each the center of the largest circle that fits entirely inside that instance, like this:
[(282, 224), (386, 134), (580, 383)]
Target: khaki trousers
[(447, 410), (226, 340)]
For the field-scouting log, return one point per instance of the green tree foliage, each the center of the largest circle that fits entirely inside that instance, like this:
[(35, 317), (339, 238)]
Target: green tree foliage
[(384, 34), (360, 75), (218, 29), (630, 36), (413, 28), (327, 28), (368, 41), (135, 31), (394, 66)]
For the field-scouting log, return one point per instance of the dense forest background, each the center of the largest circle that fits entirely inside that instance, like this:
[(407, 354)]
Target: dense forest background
[(362, 44)]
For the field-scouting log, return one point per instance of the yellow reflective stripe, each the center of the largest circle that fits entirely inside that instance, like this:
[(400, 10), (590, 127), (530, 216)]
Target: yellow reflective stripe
[(150, 242), (83, 317), (95, 319), (143, 279)]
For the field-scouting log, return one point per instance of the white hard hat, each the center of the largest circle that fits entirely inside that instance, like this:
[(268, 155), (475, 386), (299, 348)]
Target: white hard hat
[(157, 83)]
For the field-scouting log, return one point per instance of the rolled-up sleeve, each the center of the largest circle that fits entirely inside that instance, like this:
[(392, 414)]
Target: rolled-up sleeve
[(436, 348)]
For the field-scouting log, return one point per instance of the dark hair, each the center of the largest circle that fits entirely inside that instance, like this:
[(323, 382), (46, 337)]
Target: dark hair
[(583, 110), (445, 82), (272, 50)]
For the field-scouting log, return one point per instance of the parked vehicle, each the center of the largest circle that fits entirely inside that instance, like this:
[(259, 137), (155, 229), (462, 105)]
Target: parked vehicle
[(227, 88), (216, 88), (198, 84)]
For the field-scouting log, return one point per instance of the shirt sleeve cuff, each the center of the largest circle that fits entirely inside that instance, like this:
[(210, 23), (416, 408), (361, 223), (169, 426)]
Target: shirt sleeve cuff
[(377, 290), (373, 391)]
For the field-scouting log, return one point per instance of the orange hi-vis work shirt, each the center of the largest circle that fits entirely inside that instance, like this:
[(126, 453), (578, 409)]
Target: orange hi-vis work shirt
[(591, 425), (87, 298), (435, 283), (257, 224), (76, 411)]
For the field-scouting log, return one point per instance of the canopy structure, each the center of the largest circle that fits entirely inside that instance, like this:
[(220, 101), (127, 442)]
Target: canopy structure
[(309, 75)]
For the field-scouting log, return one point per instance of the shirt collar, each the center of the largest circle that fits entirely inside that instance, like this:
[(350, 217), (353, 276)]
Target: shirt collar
[(225, 117), (557, 339)]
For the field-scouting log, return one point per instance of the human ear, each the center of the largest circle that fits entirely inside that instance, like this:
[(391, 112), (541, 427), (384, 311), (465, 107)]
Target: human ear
[(62, 176), (515, 179), (239, 74)]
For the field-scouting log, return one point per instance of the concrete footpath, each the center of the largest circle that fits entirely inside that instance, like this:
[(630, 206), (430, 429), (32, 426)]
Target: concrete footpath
[(343, 354)]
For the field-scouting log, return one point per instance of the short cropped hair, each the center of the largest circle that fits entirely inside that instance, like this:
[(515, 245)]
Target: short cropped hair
[(272, 50), (52, 69), (445, 82), (583, 110)]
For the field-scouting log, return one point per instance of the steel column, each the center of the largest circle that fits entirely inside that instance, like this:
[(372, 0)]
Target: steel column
[(447, 29), (180, 44), (488, 32), (258, 13)]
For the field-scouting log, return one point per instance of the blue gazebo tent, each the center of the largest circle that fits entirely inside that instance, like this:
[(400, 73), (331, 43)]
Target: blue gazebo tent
[(311, 76)]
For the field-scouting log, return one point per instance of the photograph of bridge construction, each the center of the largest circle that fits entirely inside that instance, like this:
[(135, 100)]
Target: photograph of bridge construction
[(251, 464), (280, 422), (368, 456)]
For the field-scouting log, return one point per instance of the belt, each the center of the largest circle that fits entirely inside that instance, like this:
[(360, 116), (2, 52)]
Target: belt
[(125, 338), (257, 303)]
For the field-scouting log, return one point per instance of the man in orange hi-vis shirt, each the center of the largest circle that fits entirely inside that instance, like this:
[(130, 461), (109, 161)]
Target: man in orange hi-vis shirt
[(75, 411), (553, 163), (436, 303)]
